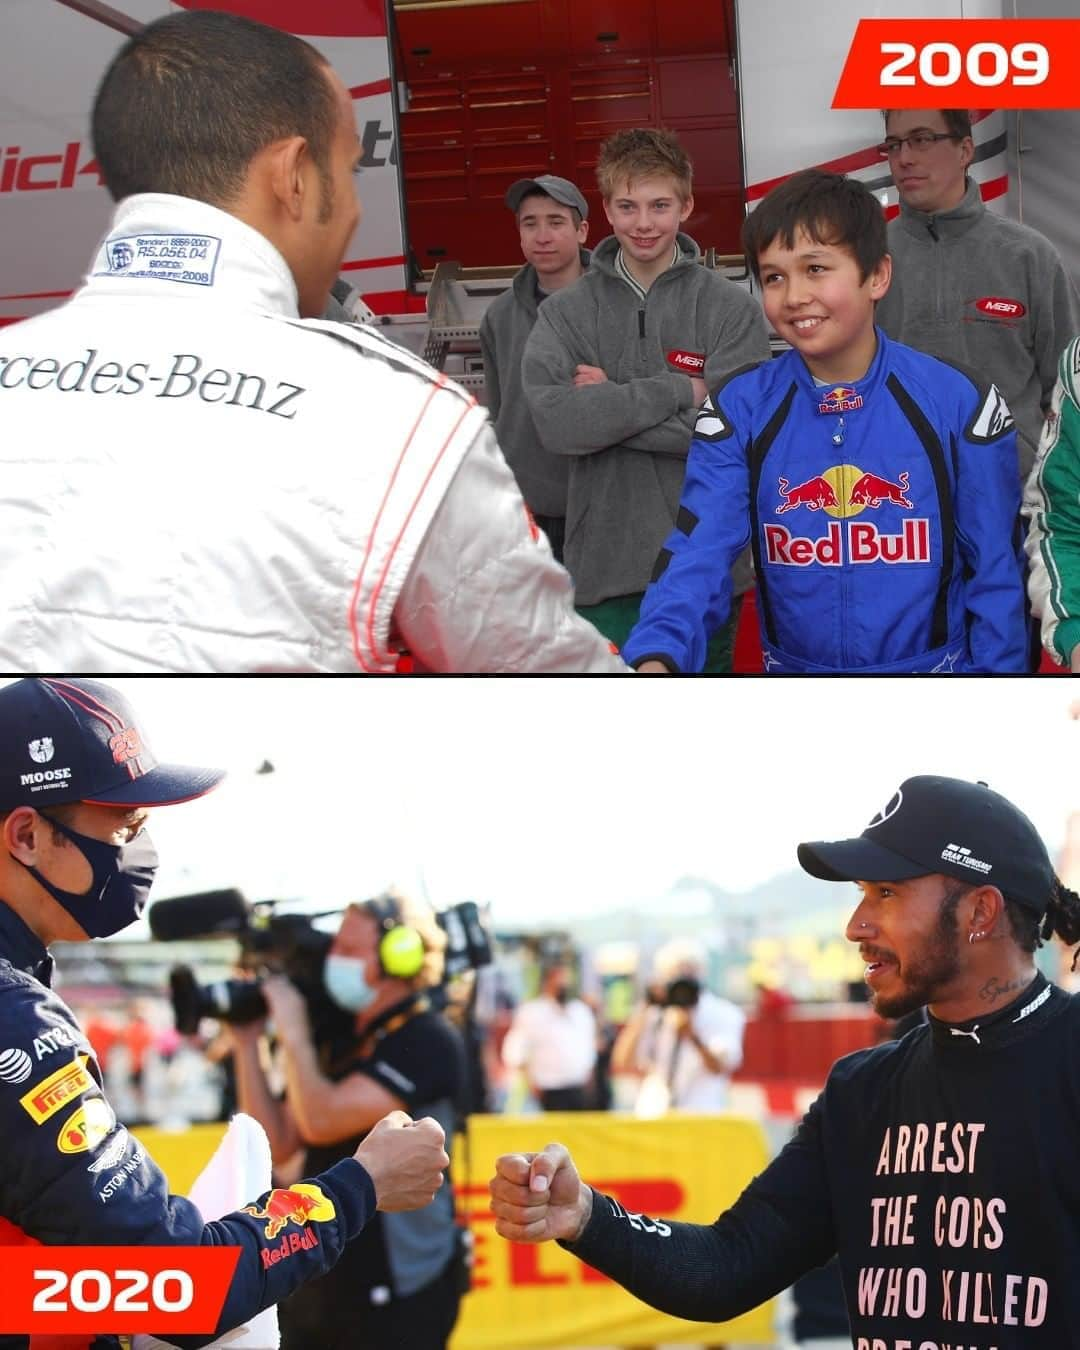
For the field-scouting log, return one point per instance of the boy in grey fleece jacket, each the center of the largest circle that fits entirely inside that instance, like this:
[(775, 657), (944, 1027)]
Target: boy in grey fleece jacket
[(551, 215), (968, 285), (616, 367)]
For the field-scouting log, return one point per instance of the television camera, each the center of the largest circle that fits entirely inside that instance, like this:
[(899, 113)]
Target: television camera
[(286, 944)]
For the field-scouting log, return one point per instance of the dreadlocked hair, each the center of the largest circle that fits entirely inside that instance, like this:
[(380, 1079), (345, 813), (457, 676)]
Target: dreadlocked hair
[(1062, 919)]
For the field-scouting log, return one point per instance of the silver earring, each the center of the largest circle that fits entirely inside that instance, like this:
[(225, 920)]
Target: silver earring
[(973, 936)]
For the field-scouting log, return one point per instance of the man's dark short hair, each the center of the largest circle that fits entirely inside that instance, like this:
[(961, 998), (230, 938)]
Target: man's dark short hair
[(832, 209), (957, 120), (189, 101)]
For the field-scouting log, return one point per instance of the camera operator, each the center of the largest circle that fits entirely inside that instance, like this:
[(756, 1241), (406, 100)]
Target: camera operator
[(683, 1040), (399, 1286)]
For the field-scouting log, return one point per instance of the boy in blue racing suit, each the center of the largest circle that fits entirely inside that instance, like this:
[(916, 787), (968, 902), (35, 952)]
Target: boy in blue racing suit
[(877, 486)]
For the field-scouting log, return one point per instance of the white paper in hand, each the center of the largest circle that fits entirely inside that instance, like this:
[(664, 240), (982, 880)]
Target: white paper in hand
[(236, 1175)]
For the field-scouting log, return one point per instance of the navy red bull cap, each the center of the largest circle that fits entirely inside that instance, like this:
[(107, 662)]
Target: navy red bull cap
[(66, 740), (947, 825)]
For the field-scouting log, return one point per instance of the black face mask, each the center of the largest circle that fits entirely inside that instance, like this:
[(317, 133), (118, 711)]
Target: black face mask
[(562, 996), (123, 875)]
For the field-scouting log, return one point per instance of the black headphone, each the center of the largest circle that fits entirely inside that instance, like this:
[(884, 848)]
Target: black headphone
[(401, 947)]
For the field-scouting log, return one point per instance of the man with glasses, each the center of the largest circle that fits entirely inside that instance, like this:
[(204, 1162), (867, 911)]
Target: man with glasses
[(968, 285)]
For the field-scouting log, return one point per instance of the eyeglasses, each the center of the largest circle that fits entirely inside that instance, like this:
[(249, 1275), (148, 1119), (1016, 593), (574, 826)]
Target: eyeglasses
[(918, 140)]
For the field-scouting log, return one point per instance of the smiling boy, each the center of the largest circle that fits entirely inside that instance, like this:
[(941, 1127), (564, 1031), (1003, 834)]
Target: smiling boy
[(878, 486), (616, 367)]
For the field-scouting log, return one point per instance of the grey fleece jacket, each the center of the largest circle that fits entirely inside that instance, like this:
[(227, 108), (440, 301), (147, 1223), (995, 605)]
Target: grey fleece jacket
[(504, 330), (627, 439), (939, 302)]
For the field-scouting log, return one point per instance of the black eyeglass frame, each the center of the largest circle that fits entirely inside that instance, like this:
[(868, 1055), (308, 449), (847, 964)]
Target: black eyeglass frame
[(892, 145)]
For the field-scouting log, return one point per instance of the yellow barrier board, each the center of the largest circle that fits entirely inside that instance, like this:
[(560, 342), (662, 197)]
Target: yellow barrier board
[(539, 1297), (681, 1167)]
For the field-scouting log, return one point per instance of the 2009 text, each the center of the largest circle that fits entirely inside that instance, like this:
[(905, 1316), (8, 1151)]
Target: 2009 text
[(989, 65)]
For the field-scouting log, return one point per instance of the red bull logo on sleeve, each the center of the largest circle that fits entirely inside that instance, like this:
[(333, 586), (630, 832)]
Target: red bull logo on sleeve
[(840, 399), (844, 491), (298, 1204)]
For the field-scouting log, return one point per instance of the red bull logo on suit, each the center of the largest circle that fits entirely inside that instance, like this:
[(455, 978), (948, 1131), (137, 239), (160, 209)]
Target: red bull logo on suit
[(865, 544), (297, 1205), (845, 490), (840, 399)]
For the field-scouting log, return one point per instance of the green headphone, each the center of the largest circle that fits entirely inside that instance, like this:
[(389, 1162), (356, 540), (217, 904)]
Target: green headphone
[(401, 948)]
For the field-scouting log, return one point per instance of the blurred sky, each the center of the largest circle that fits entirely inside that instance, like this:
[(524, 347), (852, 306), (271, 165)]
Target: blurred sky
[(552, 798)]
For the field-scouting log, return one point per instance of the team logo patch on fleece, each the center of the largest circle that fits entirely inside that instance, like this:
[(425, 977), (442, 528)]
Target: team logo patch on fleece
[(687, 363)]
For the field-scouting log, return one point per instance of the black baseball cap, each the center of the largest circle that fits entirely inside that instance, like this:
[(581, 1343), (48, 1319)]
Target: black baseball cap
[(67, 740), (558, 189), (932, 824)]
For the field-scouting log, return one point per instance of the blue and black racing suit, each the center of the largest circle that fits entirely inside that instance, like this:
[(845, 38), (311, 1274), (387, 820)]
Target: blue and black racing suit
[(71, 1175), (883, 516)]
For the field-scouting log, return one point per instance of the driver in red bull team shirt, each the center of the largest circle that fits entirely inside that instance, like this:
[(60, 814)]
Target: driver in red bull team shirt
[(877, 486), (76, 780)]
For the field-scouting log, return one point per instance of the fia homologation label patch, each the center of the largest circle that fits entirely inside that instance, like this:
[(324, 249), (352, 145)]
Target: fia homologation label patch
[(191, 258)]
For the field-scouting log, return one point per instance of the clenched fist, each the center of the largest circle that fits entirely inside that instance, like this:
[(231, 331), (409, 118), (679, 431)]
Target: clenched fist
[(405, 1160), (537, 1196)]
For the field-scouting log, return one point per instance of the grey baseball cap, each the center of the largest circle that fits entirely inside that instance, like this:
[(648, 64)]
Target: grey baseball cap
[(558, 189)]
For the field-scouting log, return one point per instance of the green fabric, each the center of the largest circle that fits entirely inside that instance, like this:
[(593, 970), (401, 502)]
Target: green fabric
[(615, 618), (1066, 637), (1059, 520)]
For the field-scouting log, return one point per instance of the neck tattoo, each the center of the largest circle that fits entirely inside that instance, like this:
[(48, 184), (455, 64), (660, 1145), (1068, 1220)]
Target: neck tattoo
[(994, 988)]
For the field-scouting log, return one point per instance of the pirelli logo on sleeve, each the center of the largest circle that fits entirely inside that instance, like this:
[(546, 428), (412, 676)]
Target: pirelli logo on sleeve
[(54, 1093)]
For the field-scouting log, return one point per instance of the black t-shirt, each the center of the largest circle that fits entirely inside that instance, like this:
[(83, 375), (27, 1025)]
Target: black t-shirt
[(942, 1167), (422, 1063)]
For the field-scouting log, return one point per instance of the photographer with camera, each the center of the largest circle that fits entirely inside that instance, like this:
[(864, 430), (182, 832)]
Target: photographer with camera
[(683, 1040), (400, 1287), (77, 777)]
